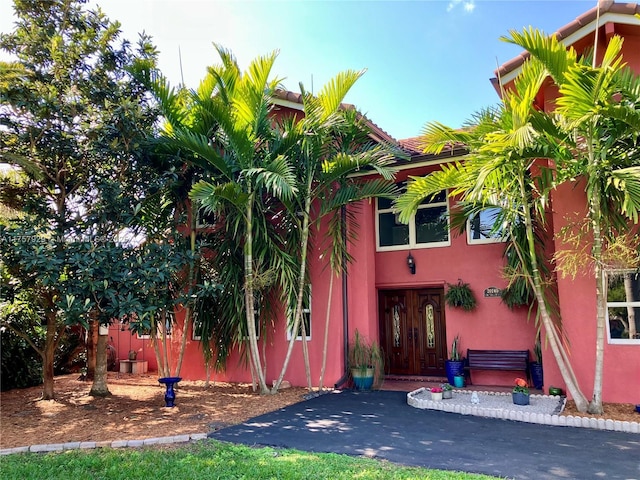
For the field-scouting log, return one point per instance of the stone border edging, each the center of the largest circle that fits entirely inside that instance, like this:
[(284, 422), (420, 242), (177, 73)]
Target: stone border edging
[(540, 418), (59, 447)]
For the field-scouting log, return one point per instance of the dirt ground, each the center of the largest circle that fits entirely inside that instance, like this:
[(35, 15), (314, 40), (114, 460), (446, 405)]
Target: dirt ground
[(136, 410)]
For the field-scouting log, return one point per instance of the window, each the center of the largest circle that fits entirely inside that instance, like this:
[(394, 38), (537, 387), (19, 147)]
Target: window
[(145, 333), (306, 318), (196, 327), (429, 227), (205, 218), (623, 306), (480, 227)]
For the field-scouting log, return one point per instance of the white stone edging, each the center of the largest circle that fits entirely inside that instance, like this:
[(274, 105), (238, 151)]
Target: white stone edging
[(59, 447), (540, 418)]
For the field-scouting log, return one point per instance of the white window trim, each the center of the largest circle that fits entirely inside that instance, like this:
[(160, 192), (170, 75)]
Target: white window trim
[(618, 341), (304, 311), (412, 245), (148, 336), (482, 241)]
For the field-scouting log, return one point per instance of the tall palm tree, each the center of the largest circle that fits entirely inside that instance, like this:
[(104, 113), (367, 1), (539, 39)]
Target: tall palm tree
[(505, 145), (598, 111), (333, 144), (246, 156)]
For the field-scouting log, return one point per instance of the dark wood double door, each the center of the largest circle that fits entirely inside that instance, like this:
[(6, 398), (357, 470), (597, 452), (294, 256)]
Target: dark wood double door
[(413, 331)]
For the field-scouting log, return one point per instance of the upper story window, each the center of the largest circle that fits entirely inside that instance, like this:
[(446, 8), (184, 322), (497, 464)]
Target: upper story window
[(429, 227), (306, 318), (481, 227), (623, 306)]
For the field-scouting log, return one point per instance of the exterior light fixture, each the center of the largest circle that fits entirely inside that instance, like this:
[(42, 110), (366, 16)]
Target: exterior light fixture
[(411, 263)]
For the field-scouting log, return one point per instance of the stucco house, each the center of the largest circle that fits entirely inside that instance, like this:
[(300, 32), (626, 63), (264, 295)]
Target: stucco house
[(403, 307)]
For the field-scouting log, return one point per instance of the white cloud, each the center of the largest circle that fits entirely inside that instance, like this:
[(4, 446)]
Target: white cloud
[(467, 5)]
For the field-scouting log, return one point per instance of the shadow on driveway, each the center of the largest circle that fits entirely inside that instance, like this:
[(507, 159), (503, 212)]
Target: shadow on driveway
[(381, 425)]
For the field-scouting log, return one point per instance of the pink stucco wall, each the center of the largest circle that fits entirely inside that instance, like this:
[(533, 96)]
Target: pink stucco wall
[(578, 310)]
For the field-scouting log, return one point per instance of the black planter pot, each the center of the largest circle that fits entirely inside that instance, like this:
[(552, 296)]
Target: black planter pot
[(453, 367), (536, 375), (170, 395)]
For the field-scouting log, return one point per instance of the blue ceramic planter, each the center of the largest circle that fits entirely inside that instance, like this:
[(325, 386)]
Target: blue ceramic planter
[(170, 395), (520, 398)]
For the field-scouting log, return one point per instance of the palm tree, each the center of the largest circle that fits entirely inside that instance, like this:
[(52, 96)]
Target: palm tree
[(598, 113), (504, 145), (247, 159), (333, 144)]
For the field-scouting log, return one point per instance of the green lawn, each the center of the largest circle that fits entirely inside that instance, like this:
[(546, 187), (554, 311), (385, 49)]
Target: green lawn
[(208, 460)]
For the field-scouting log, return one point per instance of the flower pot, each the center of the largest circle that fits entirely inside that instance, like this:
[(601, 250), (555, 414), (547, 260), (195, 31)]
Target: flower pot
[(362, 378), (458, 381), (453, 368), (436, 396), (447, 394), (133, 354), (520, 398), (536, 374)]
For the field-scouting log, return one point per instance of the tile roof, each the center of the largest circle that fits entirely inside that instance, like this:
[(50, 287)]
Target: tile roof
[(413, 147), (377, 133), (563, 33)]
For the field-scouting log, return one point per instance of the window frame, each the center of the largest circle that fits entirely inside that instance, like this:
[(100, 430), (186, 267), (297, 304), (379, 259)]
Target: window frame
[(305, 312), (412, 244), (483, 241), (636, 304)]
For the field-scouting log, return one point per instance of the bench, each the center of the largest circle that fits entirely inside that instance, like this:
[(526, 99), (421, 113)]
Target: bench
[(507, 360)]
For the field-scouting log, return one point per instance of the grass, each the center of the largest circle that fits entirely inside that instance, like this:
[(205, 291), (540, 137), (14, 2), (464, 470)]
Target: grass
[(209, 460)]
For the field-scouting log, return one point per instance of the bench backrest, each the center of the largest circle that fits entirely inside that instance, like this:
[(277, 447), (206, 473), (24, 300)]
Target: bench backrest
[(498, 359)]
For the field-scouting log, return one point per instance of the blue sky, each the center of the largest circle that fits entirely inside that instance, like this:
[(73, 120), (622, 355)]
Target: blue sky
[(425, 60)]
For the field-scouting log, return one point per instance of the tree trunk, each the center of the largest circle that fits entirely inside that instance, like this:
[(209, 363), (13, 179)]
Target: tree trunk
[(249, 300), (552, 336), (190, 279), (99, 387), (92, 341), (325, 343), (595, 406), (48, 354), (304, 243), (631, 311)]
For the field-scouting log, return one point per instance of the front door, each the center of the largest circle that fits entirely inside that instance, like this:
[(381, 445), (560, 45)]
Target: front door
[(412, 331)]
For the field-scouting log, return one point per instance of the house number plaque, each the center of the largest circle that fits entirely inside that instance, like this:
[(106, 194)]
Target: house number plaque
[(492, 292)]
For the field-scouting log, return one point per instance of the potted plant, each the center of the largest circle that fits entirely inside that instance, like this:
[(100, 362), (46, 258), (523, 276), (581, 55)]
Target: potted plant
[(455, 365), (460, 295), (366, 363), (536, 367), (520, 394), (447, 390), (436, 394)]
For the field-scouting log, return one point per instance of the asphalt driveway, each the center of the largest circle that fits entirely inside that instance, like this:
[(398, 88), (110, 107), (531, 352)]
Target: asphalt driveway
[(380, 424)]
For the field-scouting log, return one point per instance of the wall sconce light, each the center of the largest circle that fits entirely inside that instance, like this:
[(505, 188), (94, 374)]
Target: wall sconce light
[(411, 263)]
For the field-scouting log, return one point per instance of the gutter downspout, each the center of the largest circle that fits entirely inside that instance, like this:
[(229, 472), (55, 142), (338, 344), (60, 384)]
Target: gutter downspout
[(345, 298)]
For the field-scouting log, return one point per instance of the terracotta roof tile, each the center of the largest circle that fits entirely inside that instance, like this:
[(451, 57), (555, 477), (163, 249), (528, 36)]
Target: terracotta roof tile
[(376, 132), (606, 6)]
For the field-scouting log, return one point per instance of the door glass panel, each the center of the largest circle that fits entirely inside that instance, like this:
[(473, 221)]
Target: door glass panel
[(396, 326), (431, 335)]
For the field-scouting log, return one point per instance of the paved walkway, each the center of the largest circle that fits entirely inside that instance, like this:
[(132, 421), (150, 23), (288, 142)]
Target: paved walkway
[(380, 424)]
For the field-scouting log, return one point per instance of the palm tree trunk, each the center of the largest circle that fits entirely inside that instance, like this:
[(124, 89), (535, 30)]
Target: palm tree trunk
[(189, 310), (547, 322), (304, 243), (325, 343), (249, 299), (595, 212)]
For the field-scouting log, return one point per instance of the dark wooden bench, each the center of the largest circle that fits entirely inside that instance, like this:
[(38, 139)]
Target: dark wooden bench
[(508, 360)]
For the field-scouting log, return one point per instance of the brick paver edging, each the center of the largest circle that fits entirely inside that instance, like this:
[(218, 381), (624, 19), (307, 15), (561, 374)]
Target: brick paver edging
[(543, 419), (58, 447)]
